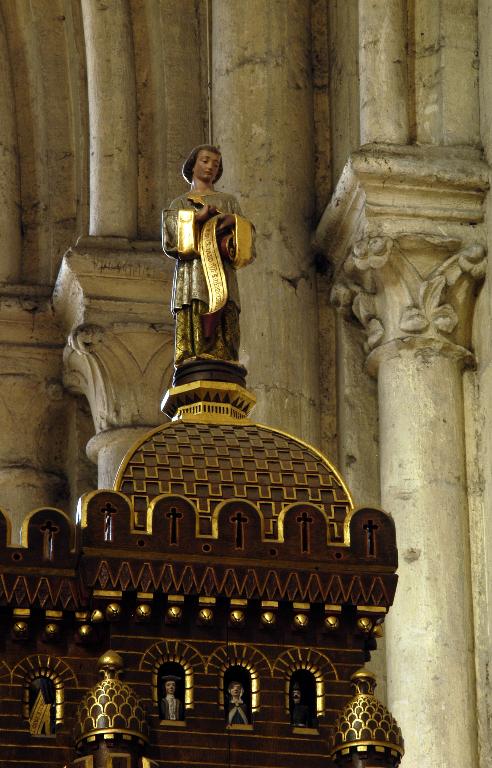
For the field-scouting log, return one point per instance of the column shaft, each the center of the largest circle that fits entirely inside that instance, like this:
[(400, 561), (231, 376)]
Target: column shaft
[(423, 485), (263, 122), (10, 242), (383, 71), (33, 436), (112, 118), (107, 449)]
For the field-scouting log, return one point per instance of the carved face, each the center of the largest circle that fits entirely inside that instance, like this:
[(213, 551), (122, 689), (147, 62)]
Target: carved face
[(170, 686), (206, 166), (235, 690), (296, 696)]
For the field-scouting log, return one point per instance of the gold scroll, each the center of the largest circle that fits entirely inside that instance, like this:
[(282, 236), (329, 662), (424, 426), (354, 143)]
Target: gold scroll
[(240, 254), (39, 718), (212, 266)]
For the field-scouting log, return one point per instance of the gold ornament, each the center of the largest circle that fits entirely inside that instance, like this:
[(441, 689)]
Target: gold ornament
[(205, 616), (85, 631), (143, 612), (301, 620), (97, 616), (364, 624), (332, 622), (113, 612), (237, 618), (20, 630), (52, 631), (268, 618), (174, 614), (110, 660)]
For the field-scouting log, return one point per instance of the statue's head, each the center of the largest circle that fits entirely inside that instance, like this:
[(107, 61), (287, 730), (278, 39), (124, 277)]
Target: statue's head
[(235, 689), (170, 684), (296, 694), (190, 161)]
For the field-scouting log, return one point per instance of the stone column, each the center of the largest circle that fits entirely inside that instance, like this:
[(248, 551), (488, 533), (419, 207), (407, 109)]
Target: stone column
[(418, 334), (10, 241), (120, 351), (405, 235), (263, 121), (444, 52), (32, 407), (112, 118), (383, 71)]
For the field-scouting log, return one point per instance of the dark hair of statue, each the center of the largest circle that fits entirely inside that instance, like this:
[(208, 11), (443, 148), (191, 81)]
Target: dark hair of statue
[(189, 163)]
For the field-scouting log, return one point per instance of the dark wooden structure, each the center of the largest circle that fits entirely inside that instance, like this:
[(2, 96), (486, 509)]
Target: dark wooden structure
[(227, 553)]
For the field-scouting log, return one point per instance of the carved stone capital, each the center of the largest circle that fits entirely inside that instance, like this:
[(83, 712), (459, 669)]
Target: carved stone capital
[(412, 287), (111, 296), (404, 234)]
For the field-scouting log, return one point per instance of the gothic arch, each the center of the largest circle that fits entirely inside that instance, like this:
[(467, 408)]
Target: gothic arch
[(237, 654), (181, 653), (320, 666), (42, 665)]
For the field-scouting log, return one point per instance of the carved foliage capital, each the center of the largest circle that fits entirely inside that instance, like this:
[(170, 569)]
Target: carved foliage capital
[(121, 370), (411, 285)]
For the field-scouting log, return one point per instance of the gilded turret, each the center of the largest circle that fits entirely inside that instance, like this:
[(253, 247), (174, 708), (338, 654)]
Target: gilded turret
[(111, 710), (366, 733)]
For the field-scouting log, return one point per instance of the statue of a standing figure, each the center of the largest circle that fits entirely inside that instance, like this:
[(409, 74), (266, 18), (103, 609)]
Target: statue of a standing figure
[(171, 707), (237, 711), (206, 234)]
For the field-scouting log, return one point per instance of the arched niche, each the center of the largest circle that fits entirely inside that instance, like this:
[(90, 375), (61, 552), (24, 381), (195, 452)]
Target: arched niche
[(42, 706), (237, 692), (171, 692), (236, 655), (318, 664), (182, 654), (303, 699), (43, 667)]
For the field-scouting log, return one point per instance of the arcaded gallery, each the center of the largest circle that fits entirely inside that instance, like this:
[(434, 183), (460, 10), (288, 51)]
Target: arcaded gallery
[(245, 384)]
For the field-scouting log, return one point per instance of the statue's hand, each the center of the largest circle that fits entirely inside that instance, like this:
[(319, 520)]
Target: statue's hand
[(205, 213), (226, 220)]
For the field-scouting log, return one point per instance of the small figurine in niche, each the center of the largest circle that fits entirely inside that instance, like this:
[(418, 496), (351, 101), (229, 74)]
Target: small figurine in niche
[(302, 699), (207, 235), (171, 707), (299, 712), (171, 690), (42, 707), (237, 711)]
